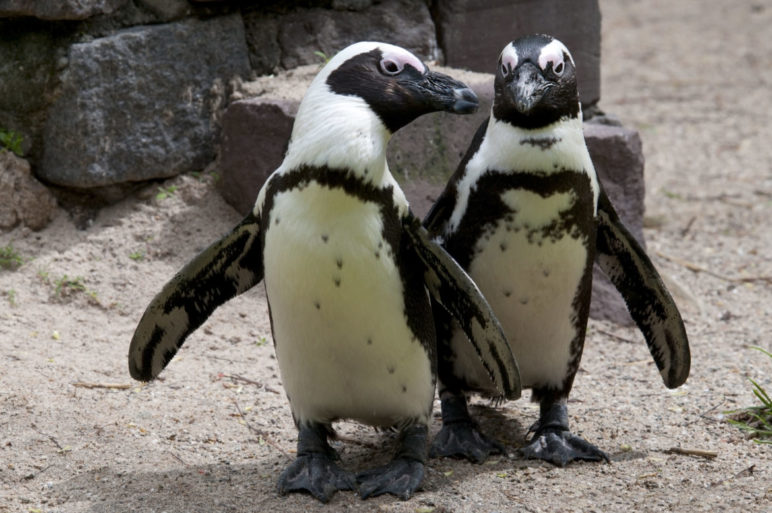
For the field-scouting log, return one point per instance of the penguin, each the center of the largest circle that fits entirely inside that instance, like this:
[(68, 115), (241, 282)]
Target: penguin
[(346, 268), (525, 216)]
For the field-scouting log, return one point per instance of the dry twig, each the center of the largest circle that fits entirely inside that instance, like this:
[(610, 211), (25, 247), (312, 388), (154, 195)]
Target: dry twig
[(259, 432), (236, 377), (111, 386), (692, 452)]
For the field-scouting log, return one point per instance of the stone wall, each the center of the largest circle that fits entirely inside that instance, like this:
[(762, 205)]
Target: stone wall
[(111, 93)]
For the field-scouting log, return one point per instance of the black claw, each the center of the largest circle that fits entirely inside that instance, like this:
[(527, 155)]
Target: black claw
[(464, 440), (401, 477), (560, 448)]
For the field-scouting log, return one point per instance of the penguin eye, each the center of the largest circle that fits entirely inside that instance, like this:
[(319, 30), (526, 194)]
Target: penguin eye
[(391, 67), (558, 68), (508, 61)]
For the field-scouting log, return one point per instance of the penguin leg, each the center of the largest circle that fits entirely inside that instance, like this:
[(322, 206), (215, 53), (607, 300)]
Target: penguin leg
[(552, 441), (404, 473), (315, 470), (460, 436)]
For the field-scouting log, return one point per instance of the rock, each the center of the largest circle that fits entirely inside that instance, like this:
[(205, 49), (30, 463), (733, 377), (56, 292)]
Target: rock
[(472, 34), (143, 103), (618, 157), (23, 199), (351, 5), (617, 154), (28, 65), (422, 156), (262, 33), (167, 9), (255, 136), (59, 9), (291, 38)]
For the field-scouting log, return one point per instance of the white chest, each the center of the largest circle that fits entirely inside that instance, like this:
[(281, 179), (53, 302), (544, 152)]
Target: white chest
[(530, 266), (342, 340)]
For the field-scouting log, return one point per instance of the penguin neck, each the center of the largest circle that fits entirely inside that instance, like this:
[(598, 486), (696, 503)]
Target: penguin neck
[(508, 149), (555, 147), (339, 132)]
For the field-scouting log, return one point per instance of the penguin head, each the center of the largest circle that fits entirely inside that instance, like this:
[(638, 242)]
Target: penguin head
[(535, 83), (395, 84), (365, 93)]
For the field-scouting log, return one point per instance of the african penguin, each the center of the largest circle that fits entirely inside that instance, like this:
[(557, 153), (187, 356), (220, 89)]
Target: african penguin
[(346, 268), (525, 216)]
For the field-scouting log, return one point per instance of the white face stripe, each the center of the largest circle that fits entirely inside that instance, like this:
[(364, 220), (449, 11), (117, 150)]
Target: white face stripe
[(509, 57), (553, 53), (402, 57), (343, 131)]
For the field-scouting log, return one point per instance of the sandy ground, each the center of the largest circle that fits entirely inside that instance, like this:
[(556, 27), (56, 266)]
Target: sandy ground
[(214, 433)]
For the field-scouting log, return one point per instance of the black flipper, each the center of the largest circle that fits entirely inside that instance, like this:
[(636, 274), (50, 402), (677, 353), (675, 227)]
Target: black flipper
[(225, 269), (456, 292), (403, 474), (315, 470), (650, 304)]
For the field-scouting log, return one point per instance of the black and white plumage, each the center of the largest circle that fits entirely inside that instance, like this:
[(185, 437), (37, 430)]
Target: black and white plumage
[(525, 215), (346, 269)]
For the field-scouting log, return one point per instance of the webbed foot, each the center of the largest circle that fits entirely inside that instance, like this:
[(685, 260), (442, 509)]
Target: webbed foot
[(316, 474), (460, 437), (464, 440), (315, 470), (561, 447), (553, 441), (402, 475)]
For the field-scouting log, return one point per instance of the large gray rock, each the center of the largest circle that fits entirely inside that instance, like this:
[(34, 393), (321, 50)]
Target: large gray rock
[(59, 9), (618, 157), (143, 103), (28, 63), (289, 39), (422, 156), (23, 199), (255, 137), (472, 33), (167, 10)]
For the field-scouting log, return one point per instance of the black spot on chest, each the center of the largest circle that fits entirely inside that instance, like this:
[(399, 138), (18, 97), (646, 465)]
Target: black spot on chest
[(544, 143), (486, 211)]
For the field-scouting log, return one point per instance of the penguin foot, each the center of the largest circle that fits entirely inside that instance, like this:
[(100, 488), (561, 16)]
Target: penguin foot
[(317, 474), (401, 477), (464, 440), (315, 470), (561, 447), (460, 436)]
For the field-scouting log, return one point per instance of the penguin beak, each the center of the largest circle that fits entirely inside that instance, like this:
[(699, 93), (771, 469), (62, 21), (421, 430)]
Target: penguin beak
[(440, 92), (527, 87)]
